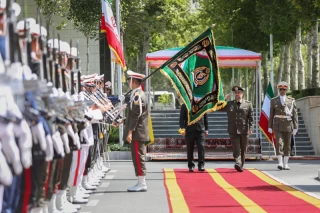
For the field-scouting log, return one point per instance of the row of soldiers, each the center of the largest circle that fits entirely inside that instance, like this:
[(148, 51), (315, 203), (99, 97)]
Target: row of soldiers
[(53, 121)]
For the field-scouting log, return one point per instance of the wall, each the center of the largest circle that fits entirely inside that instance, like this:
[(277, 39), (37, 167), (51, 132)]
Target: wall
[(67, 34), (310, 110)]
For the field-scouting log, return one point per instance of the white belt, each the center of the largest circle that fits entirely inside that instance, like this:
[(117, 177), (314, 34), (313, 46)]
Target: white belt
[(282, 116)]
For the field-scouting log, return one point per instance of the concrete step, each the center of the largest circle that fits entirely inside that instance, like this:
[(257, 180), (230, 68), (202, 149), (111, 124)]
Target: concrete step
[(298, 153)]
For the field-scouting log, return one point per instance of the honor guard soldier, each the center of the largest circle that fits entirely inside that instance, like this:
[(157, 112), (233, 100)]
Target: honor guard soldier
[(240, 125), (136, 129), (283, 121)]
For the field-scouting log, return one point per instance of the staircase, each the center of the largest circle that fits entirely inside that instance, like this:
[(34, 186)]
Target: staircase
[(166, 124)]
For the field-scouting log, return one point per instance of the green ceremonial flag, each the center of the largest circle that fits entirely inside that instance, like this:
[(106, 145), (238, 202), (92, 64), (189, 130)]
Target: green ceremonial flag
[(194, 73)]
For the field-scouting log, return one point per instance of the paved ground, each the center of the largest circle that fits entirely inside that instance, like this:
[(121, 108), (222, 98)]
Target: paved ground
[(112, 195)]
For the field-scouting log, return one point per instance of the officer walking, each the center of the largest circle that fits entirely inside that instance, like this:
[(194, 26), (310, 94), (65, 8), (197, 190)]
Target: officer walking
[(240, 125), (283, 121), (136, 129), (195, 132)]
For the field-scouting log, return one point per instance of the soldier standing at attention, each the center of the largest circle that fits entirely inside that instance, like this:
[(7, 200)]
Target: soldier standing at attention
[(136, 129), (240, 125), (283, 121), (194, 133)]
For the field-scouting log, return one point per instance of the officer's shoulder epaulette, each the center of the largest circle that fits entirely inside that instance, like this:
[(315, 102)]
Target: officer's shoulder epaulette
[(290, 98), (247, 101), (274, 98)]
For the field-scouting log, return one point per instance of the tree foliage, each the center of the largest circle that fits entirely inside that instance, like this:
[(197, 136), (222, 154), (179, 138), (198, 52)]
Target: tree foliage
[(85, 16)]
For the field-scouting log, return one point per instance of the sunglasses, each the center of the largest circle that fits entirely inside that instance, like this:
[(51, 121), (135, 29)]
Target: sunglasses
[(281, 89)]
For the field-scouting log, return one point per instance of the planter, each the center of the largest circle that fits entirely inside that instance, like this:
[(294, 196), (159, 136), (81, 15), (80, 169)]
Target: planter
[(120, 155)]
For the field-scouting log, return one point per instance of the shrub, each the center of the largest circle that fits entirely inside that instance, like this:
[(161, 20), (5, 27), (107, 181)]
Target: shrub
[(305, 92)]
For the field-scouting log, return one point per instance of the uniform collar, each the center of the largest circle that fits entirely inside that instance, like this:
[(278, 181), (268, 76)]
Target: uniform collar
[(134, 91)]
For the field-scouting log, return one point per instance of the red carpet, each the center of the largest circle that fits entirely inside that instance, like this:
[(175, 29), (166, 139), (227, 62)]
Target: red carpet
[(225, 190)]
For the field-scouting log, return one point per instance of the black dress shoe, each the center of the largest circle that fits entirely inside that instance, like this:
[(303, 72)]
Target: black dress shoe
[(280, 167), (201, 168), (191, 169), (238, 167)]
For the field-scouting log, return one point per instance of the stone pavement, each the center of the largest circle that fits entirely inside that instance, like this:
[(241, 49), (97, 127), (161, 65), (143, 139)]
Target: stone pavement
[(112, 195)]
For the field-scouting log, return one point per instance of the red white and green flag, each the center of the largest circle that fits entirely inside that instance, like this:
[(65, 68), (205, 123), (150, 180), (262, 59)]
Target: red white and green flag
[(265, 114), (108, 25)]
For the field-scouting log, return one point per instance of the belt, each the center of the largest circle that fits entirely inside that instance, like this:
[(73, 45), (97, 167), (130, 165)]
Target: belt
[(282, 116)]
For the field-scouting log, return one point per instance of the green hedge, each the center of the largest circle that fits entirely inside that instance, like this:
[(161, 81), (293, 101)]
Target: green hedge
[(305, 92), (117, 147)]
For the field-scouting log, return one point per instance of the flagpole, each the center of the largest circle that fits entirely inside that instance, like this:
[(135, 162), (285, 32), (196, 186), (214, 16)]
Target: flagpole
[(119, 71)]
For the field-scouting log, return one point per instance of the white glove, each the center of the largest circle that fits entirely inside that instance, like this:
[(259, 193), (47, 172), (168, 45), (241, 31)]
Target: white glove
[(5, 172), (23, 133), (270, 130), (84, 136), (77, 140), (10, 148), (57, 143), (65, 141), (90, 134), (295, 131), (39, 135), (49, 150)]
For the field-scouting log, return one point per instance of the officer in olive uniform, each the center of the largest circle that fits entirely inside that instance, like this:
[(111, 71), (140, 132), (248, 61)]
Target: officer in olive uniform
[(240, 125), (136, 129), (283, 121)]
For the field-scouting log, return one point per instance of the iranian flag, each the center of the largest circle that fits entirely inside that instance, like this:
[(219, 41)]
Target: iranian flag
[(264, 116), (108, 25)]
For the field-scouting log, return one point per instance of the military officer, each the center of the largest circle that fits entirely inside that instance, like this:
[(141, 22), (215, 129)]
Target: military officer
[(283, 121), (240, 125), (136, 128)]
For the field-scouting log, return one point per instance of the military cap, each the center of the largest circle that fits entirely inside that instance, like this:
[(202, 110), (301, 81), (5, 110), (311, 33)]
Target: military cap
[(64, 47), (108, 85), (283, 85), (135, 75), (74, 51), (54, 43), (89, 76), (35, 30), (237, 88), (16, 7), (89, 82), (30, 22), (99, 77)]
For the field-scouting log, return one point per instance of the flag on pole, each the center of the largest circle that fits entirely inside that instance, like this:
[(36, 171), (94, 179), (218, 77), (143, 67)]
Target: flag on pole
[(194, 73), (265, 114), (108, 25)]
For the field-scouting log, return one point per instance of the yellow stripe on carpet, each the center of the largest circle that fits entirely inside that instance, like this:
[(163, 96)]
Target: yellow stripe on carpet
[(246, 202), (177, 201), (303, 196)]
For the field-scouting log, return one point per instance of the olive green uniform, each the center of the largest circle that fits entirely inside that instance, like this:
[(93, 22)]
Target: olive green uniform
[(240, 121), (283, 119), (137, 122)]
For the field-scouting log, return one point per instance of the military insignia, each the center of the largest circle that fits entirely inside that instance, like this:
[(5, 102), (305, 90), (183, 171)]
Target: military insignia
[(201, 75), (236, 88), (231, 108), (136, 99), (173, 65), (195, 108), (206, 43)]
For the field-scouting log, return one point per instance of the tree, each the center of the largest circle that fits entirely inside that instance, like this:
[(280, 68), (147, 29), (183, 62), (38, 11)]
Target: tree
[(54, 7), (164, 99), (86, 20)]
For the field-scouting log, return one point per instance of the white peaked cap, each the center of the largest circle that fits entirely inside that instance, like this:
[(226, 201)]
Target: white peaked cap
[(74, 51), (30, 22), (3, 4), (35, 30), (64, 47), (56, 43), (16, 7)]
